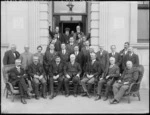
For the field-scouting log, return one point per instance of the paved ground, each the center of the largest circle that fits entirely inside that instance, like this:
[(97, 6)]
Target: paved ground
[(61, 104)]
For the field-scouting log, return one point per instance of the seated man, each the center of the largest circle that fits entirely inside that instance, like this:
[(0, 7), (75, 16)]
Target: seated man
[(72, 72), (56, 73), (93, 69), (36, 72), (110, 77), (18, 78), (130, 75)]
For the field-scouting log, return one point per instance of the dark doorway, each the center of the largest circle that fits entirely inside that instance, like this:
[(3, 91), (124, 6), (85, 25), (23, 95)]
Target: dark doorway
[(71, 25)]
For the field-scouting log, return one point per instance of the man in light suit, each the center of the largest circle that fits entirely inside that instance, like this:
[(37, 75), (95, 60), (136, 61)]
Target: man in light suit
[(103, 58), (11, 55)]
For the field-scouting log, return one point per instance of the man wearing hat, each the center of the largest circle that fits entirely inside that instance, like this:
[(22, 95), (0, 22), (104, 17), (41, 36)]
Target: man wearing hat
[(18, 78), (66, 36)]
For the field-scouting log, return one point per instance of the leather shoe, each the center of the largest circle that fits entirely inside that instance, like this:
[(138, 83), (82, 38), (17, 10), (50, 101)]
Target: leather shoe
[(105, 98), (67, 95), (84, 94), (114, 101), (44, 96), (37, 97), (98, 97), (23, 101), (89, 96)]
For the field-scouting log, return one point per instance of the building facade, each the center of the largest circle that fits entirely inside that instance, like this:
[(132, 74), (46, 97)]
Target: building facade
[(108, 23)]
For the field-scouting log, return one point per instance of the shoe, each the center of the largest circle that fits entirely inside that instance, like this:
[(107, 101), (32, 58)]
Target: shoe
[(84, 94), (98, 97), (44, 96), (37, 97), (23, 101), (105, 98), (114, 101), (89, 96), (75, 95), (51, 97), (67, 95)]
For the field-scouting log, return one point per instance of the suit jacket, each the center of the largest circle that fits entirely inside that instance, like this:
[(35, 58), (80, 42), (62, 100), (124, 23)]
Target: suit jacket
[(113, 72), (40, 57), (130, 75), (60, 37), (70, 48), (9, 57), (14, 73), (64, 57), (35, 70), (57, 46), (79, 59), (76, 35), (117, 58), (134, 58), (103, 59), (26, 59), (95, 69), (56, 69), (72, 70), (48, 59), (66, 38)]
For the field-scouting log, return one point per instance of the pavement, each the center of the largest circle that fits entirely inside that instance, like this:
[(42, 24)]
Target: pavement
[(71, 104)]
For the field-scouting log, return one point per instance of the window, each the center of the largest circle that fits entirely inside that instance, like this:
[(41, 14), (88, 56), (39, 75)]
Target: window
[(143, 22)]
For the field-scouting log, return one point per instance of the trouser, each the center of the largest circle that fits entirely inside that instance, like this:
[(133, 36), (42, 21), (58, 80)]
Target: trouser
[(75, 80), (36, 83), (21, 83), (60, 83), (108, 82), (119, 90), (89, 81)]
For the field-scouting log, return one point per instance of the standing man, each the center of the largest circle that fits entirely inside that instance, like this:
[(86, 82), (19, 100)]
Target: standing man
[(39, 54), (18, 78), (103, 58), (93, 71), (131, 56), (78, 33), (11, 55), (59, 37), (26, 58), (56, 73), (109, 79), (66, 36), (71, 45), (122, 54), (130, 75), (56, 42), (37, 74), (72, 73), (116, 55)]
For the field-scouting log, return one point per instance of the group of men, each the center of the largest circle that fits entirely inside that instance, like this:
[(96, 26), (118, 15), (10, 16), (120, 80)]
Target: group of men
[(72, 61)]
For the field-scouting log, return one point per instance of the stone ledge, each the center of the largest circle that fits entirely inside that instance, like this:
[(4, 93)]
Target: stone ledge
[(140, 45), (5, 45)]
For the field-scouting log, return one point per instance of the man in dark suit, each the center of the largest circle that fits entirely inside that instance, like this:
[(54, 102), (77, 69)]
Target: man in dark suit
[(49, 57), (85, 54), (18, 78), (92, 72), (72, 73), (122, 54), (130, 75), (71, 45), (60, 36), (66, 36), (36, 72), (56, 73), (103, 58), (116, 55), (56, 42), (64, 54), (78, 55), (109, 79), (78, 34), (11, 55), (81, 44)]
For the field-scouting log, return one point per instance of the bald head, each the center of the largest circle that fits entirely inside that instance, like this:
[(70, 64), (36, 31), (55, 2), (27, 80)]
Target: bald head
[(26, 48), (129, 64)]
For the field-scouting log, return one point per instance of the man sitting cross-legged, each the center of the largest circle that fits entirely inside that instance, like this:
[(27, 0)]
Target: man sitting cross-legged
[(37, 73), (56, 73), (72, 73), (130, 75), (93, 69), (109, 79), (18, 78)]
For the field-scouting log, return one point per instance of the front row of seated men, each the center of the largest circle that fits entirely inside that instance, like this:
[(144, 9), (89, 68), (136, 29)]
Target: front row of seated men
[(63, 73)]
